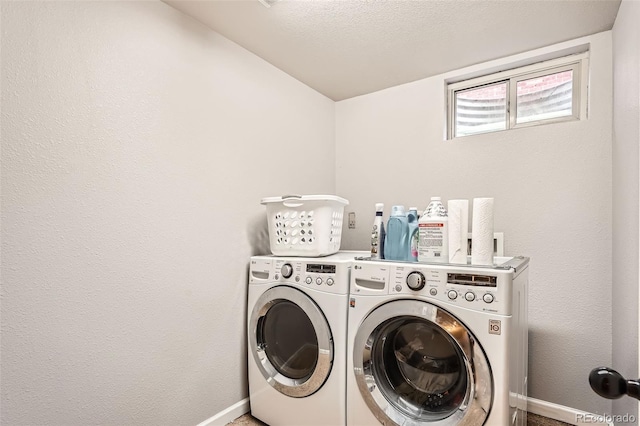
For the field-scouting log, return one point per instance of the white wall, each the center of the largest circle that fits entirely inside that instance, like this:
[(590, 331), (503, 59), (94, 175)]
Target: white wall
[(552, 190), (124, 249), (136, 146), (626, 136)]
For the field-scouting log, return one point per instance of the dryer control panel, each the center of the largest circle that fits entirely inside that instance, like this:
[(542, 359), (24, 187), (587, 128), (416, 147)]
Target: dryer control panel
[(327, 277), (485, 290), (321, 274)]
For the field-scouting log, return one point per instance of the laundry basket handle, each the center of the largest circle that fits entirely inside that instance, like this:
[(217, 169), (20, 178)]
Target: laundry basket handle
[(287, 200)]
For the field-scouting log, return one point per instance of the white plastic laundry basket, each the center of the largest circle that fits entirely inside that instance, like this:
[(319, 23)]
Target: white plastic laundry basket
[(305, 225)]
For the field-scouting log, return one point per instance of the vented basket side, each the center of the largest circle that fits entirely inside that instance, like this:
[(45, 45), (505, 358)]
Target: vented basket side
[(305, 228)]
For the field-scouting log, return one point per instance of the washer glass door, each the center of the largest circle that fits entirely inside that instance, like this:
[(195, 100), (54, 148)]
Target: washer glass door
[(291, 341), (416, 364)]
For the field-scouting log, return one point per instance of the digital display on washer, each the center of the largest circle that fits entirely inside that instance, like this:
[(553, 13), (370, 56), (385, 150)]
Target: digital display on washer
[(321, 269), (473, 280)]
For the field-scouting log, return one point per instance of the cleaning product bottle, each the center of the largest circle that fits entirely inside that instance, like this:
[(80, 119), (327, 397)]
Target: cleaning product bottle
[(395, 244), (433, 239), (378, 234), (412, 249)]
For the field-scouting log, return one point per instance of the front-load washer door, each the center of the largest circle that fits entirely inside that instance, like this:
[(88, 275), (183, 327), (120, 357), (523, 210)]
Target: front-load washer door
[(416, 364), (291, 341)]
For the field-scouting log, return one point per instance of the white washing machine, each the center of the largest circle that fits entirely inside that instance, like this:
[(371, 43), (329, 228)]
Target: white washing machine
[(437, 344), (297, 338)]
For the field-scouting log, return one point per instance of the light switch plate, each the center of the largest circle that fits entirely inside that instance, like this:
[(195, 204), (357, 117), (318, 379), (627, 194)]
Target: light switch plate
[(352, 220)]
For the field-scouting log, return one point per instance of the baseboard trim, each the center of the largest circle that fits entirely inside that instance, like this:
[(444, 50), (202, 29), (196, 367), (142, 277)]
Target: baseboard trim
[(562, 413), (535, 406), (228, 414)]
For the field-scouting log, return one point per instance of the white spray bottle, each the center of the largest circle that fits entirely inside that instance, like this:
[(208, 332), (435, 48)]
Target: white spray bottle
[(378, 234)]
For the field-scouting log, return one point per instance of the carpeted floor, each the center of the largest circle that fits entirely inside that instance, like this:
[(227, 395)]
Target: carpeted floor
[(532, 420)]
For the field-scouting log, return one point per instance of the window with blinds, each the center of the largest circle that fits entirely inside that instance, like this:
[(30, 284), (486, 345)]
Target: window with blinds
[(542, 93)]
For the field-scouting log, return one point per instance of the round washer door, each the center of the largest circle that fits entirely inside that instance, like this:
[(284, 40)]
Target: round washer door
[(416, 364), (291, 341)]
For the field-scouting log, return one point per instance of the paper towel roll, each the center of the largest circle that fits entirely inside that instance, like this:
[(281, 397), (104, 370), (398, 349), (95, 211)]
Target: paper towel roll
[(482, 232), (458, 230)]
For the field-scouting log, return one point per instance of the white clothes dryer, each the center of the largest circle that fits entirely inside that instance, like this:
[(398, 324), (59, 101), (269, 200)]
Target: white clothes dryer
[(297, 337), (437, 344)]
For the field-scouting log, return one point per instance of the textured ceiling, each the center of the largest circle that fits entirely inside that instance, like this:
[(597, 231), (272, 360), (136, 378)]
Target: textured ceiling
[(351, 47)]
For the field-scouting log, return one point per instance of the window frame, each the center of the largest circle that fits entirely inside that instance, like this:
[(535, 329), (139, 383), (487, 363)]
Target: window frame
[(577, 63)]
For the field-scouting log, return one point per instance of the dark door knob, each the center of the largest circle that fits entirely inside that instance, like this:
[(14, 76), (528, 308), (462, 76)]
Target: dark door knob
[(610, 384)]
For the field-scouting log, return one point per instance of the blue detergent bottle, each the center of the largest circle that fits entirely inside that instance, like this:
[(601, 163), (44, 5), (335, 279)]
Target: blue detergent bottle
[(396, 240)]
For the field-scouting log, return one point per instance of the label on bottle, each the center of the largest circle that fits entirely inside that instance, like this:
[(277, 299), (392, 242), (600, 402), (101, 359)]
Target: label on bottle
[(375, 234), (414, 245), (377, 239), (432, 242)]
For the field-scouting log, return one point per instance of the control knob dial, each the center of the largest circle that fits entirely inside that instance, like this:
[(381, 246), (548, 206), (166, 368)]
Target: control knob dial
[(416, 281), (286, 270)]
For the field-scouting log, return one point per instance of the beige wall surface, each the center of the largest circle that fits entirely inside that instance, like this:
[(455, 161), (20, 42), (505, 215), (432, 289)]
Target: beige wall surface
[(136, 146), (552, 190), (626, 136)]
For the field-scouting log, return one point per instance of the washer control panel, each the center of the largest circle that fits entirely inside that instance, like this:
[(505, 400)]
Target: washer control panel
[(478, 289)]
